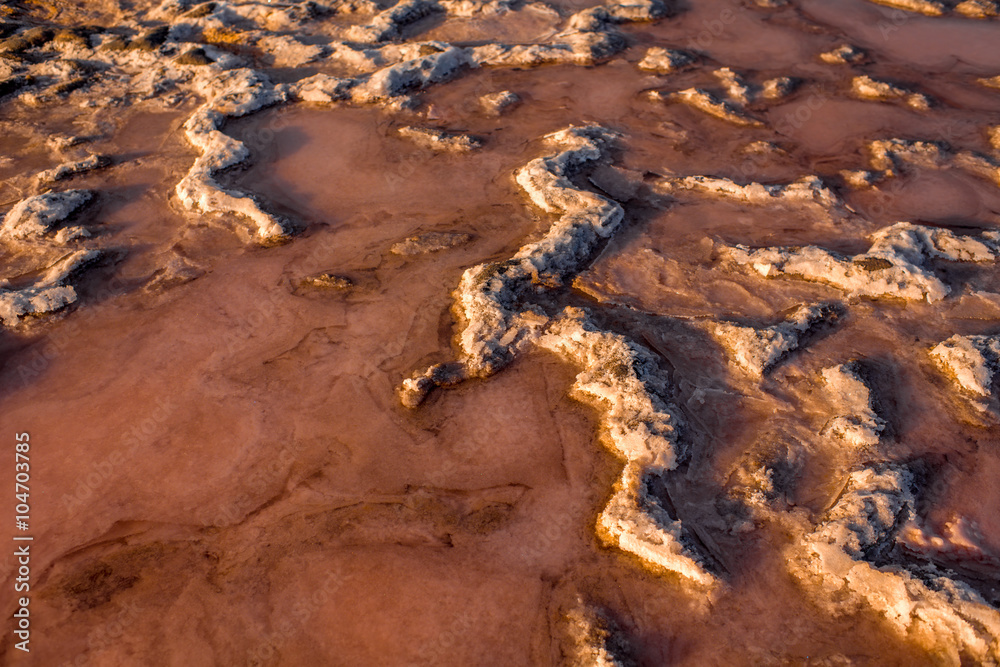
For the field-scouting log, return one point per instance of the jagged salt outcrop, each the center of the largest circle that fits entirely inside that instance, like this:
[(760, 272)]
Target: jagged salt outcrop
[(622, 380), (890, 155), (36, 216), (807, 190), (758, 350), (850, 395), (594, 639), (440, 140), (69, 169), (849, 560), (665, 61), (620, 377), (867, 88), (496, 104), (48, 293), (230, 94), (705, 101), (388, 24), (972, 361), (896, 266), (845, 54)]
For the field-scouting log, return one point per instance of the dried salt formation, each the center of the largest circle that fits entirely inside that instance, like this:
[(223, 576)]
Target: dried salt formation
[(36, 216), (927, 7), (808, 190), (857, 424), (972, 362), (757, 350), (622, 380), (496, 104), (890, 155), (666, 61), (849, 559), (48, 293), (896, 266), (230, 94), (592, 638), (438, 140), (73, 169), (429, 242), (867, 88), (618, 376), (977, 9), (705, 101), (845, 54)]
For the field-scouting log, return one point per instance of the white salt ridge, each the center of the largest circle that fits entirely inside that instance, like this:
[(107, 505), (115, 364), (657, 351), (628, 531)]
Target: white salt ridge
[(705, 101), (890, 154), (618, 376), (972, 361), (36, 216), (229, 95), (867, 88), (69, 169), (286, 51), (439, 140), (978, 9), (48, 293), (858, 425), (926, 7), (757, 350), (411, 75), (665, 61), (896, 266), (488, 299), (388, 24), (845, 54), (594, 639), (621, 379), (939, 614), (806, 190), (496, 104), (737, 88), (422, 244)]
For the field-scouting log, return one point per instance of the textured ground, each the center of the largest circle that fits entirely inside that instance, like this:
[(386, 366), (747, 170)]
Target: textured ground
[(464, 332)]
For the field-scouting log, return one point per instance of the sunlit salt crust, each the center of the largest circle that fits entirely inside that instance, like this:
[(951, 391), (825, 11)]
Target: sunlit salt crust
[(705, 101), (896, 266), (889, 155), (972, 362), (48, 293), (842, 561), (665, 61), (867, 88), (439, 140), (496, 104), (229, 94), (979, 9), (36, 216), (386, 73), (618, 376), (806, 190), (594, 639), (756, 350), (857, 424), (845, 54), (69, 169)]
